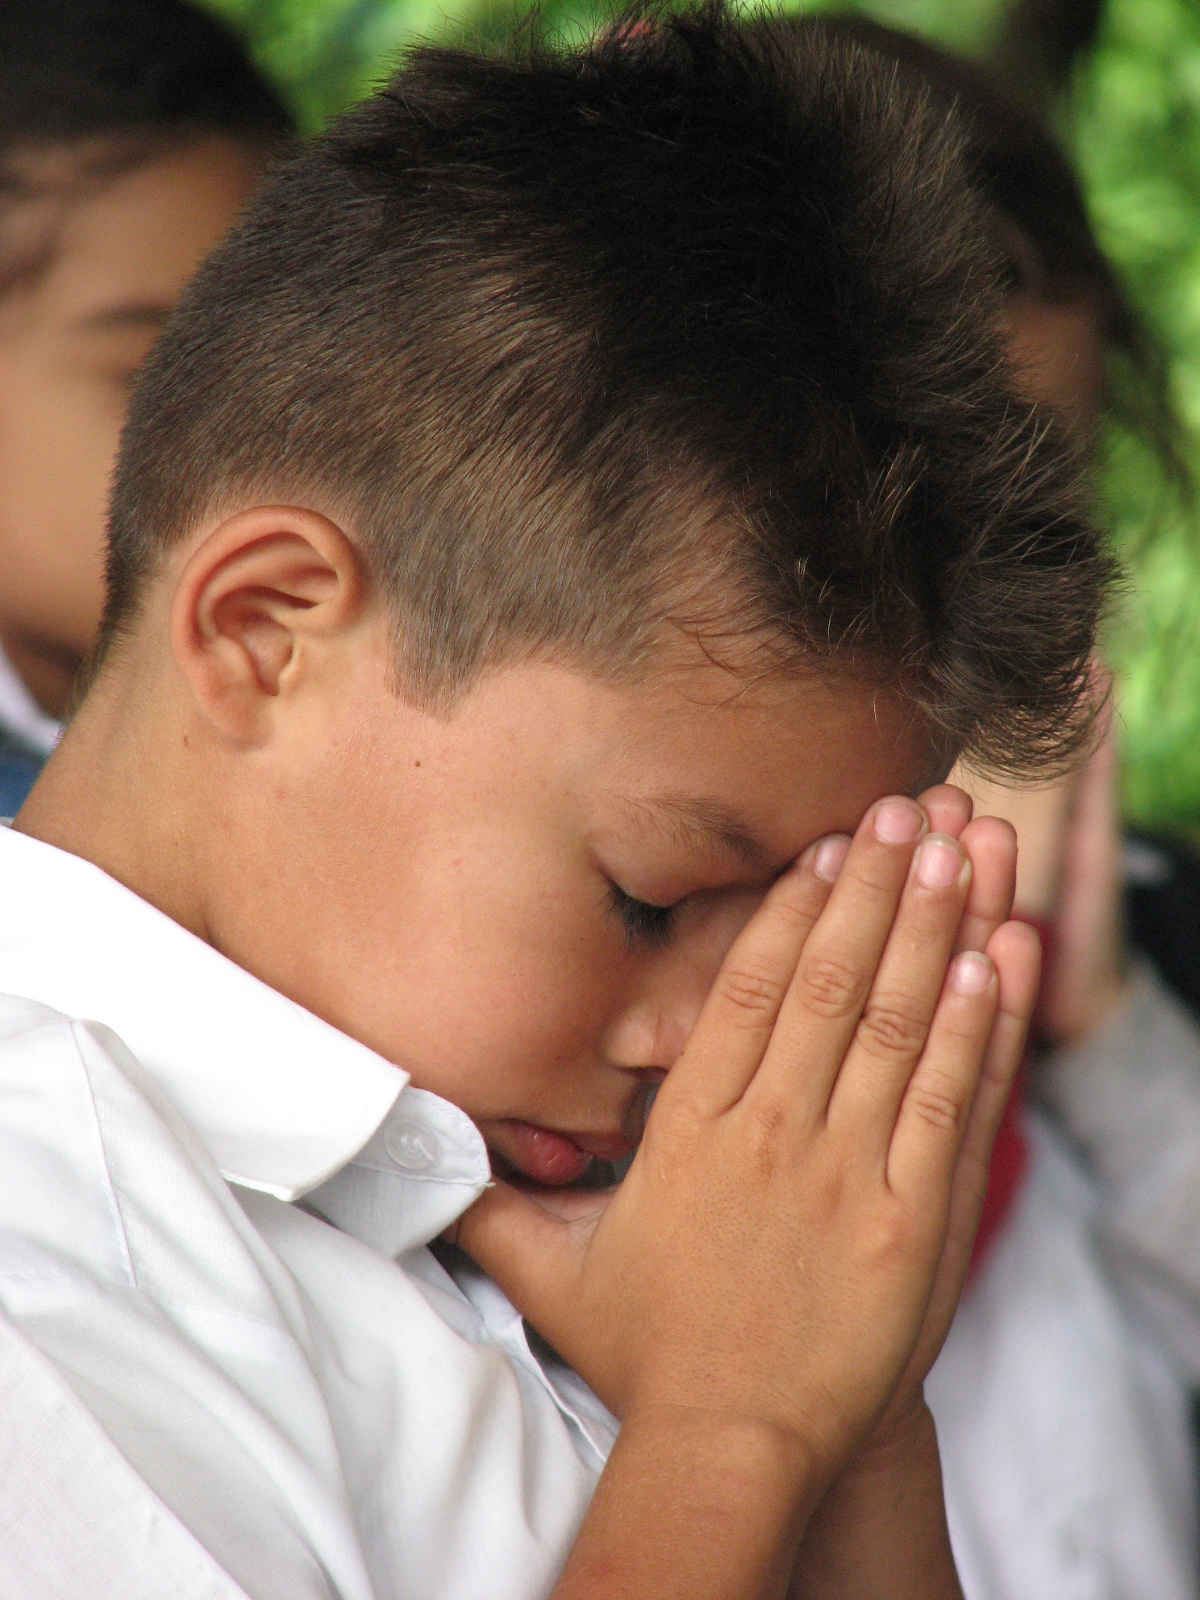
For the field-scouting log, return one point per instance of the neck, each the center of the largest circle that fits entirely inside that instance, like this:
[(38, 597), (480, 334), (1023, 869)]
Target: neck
[(115, 793)]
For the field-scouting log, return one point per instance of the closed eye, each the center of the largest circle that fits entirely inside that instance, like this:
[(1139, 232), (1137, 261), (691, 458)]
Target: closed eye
[(644, 925)]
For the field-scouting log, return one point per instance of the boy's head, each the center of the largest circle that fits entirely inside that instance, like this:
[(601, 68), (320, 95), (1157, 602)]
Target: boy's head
[(579, 483), (131, 134)]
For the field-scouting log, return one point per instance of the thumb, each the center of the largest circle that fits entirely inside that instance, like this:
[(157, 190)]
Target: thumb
[(531, 1252)]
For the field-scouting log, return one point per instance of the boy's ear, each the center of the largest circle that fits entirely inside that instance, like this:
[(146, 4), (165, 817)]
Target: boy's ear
[(262, 590)]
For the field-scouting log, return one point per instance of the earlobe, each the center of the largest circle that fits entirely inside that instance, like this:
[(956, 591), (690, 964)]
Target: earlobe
[(264, 594)]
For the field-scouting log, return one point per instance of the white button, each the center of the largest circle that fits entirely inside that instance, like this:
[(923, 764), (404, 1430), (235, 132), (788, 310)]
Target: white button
[(412, 1146)]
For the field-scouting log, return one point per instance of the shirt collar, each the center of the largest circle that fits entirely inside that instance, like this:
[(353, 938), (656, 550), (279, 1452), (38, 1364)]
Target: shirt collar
[(281, 1100)]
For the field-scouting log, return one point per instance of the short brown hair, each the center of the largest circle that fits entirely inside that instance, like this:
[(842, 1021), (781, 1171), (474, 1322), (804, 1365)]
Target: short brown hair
[(575, 342)]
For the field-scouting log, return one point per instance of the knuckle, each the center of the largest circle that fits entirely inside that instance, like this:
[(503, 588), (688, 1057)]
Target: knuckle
[(750, 991), (934, 1098), (766, 1135), (792, 905), (888, 1027), (881, 871), (830, 988), (892, 1237)]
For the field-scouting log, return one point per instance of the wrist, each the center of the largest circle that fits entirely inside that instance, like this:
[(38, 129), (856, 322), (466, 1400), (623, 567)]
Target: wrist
[(694, 1501), (1075, 1019), (902, 1438), (741, 1451), (881, 1530)]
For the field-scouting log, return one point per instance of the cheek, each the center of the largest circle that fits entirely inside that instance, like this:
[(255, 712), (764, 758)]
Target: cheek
[(530, 1001), (486, 971)]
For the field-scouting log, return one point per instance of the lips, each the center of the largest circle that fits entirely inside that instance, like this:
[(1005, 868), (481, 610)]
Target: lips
[(553, 1158)]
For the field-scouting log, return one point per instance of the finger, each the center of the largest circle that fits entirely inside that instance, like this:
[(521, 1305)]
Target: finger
[(838, 964), (899, 1012), (940, 1095), (1016, 955), (958, 1091), (992, 846), (739, 1016), (534, 1256), (948, 808)]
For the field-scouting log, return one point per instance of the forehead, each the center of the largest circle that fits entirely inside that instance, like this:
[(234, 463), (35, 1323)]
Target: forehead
[(757, 767)]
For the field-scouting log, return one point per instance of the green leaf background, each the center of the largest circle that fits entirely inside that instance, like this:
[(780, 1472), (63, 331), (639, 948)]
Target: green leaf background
[(1132, 122)]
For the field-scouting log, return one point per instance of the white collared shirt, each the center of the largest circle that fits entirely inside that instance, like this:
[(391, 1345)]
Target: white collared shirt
[(207, 1390)]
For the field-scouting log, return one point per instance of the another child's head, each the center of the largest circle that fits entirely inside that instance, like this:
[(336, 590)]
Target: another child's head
[(1064, 306), (131, 134), (578, 484)]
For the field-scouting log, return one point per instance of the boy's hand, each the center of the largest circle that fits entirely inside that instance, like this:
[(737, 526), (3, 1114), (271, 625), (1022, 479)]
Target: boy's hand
[(770, 1260), (881, 1528), (991, 844)]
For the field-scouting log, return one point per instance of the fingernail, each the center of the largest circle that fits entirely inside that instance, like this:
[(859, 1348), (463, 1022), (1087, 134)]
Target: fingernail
[(898, 821), (939, 862), (829, 857), (971, 973)]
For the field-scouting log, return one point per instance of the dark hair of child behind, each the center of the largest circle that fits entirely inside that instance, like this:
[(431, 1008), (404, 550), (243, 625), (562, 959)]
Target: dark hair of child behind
[(72, 70), (682, 328), (1020, 170)]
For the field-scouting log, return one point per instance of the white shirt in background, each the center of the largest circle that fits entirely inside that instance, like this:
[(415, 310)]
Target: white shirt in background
[(20, 714), (1128, 1096), (1064, 1427)]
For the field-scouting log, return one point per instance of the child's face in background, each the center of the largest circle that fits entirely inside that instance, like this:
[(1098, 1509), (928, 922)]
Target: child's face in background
[(1057, 350), (1055, 341), (90, 272)]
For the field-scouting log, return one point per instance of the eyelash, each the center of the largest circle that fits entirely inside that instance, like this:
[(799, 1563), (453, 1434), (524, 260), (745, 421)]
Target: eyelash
[(642, 923)]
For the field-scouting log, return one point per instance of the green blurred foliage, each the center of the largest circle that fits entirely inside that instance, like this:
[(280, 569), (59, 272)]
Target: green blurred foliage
[(1133, 123), (1134, 126), (327, 53)]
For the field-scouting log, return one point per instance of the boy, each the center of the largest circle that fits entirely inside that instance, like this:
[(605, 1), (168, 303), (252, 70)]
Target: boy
[(544, 530), (131, 134)]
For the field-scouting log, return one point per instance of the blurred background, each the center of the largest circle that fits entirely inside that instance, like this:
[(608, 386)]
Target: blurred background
[(1119, 82)]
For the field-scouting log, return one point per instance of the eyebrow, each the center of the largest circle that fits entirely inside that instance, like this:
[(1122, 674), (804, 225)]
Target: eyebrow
[(707, 821), (142, 314)]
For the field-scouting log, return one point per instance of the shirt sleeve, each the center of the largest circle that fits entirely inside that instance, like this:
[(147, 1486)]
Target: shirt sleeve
[(1129, 1097), (148, 1375), (75, 1518)]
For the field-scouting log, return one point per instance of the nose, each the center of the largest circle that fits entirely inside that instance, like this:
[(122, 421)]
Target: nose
[(649, 1035), (650, 1032)]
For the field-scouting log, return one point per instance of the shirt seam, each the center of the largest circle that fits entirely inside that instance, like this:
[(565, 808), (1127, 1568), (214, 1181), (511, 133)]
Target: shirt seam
[(109, 1186), (415, 1177)]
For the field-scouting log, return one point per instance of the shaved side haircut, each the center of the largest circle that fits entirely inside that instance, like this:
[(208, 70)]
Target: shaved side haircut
[(685, 328)]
